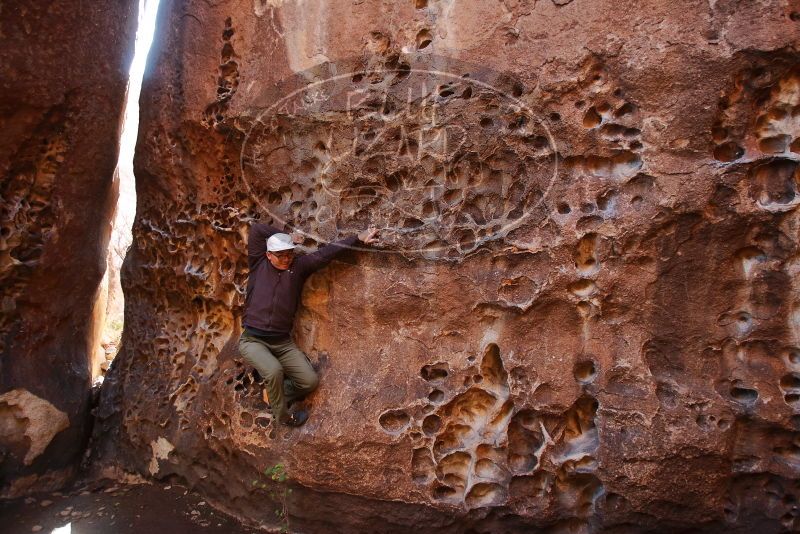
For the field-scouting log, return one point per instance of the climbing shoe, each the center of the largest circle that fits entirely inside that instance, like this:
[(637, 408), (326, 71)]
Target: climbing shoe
[(296, 418)]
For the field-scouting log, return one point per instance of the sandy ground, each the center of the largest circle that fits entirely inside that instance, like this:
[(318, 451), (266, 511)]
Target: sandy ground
[(108, 507)]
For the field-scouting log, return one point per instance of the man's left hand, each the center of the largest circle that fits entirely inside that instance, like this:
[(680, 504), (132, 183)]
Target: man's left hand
[(368, 236)]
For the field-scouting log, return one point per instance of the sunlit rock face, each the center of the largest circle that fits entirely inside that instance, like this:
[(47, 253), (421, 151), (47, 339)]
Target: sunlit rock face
[(62, 88), (582, 314)]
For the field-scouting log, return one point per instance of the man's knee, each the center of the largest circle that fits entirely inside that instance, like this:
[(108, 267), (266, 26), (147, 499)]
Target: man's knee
[(307, 380), (311, 380), (271, 371), (265, 363)]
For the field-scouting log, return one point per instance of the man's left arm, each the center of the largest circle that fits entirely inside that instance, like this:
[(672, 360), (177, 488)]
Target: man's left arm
[(322, 256)]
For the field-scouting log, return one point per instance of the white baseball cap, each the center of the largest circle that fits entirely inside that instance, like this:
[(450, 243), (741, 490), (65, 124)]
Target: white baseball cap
[(278, 242)]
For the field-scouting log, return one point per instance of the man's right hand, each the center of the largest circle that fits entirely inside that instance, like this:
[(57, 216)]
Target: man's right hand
[(368, 236)]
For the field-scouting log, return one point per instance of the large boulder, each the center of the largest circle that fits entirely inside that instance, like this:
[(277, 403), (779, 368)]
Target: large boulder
[(63, 79), (582, 312)]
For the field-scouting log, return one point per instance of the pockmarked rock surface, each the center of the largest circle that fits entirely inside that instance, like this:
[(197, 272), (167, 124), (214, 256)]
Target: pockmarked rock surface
[(28, 423), (583, 313), (63, 78)]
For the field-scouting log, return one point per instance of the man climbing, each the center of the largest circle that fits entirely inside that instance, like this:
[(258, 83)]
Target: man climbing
[(274, 285)]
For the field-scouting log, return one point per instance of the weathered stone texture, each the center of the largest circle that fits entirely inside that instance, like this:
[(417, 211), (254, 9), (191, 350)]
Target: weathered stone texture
[(63, 78), (28, 424), (583, 314)]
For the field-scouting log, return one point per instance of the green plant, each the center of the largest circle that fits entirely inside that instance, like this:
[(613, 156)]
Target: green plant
[(277, 488)]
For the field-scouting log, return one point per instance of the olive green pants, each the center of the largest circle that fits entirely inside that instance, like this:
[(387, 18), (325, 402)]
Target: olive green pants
[(285, 368)]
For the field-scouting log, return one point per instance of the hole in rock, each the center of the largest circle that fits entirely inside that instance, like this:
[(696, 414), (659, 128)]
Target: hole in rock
[(453, 437), (774, 145), (624, 109), (792, 399), (424, 38), (774, 184), (793, 356), (486, 468), (109, 304), (453, 469), (492, 369), (524, 441), (606, 200), (744, 395), (431, 424), (394, 421), (263, 422), (443, 493), (585, 371), (582, 288), (790, 381), (485, 494), (422, 466), (585, 255), (591, 118), (436, 395), (445, 92), (434, 372), (728, 152)]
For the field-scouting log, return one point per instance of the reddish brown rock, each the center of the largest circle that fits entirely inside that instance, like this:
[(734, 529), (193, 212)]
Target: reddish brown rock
[(62, 86), (582, 314)]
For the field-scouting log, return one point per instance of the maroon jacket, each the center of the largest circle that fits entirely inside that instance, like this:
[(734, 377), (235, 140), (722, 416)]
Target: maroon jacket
[(273, 294)]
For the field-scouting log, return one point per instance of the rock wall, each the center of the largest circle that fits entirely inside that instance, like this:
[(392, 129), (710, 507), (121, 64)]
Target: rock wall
[(582, 314), (62, 87)]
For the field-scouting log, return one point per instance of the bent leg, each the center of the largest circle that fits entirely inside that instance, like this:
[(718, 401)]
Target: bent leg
[(268, 366), (301, 377)]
